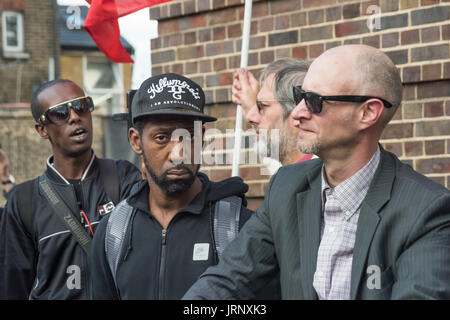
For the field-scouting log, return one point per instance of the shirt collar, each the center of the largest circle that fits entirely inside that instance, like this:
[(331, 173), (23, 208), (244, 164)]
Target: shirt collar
[(351, 192)]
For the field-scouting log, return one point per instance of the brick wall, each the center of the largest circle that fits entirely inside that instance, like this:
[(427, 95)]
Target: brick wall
[(18, 76), (202, 39)]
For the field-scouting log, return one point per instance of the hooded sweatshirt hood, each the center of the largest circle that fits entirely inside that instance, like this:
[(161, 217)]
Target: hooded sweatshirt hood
[(233, 186)]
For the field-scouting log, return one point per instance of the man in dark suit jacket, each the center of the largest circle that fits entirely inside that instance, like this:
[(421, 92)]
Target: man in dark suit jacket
[(356, 223)]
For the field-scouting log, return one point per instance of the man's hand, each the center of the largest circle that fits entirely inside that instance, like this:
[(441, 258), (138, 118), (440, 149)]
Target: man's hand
[(245, 89)]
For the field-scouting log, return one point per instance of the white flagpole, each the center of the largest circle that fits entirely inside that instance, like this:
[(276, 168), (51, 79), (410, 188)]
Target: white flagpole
[(244, 63)]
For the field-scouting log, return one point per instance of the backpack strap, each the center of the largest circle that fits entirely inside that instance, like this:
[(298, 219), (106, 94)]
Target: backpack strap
[(116, 230), (65, 214), (226, 227), (226, 221), (110, 177), (26, 195)]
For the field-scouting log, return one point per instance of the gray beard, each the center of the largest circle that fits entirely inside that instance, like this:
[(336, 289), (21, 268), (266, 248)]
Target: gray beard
[(264, 148), (313, 148)]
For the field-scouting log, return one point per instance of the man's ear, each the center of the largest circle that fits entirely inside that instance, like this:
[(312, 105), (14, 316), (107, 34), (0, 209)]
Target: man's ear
[(42, 130), (135, 141), (371, 112), (143, 168)]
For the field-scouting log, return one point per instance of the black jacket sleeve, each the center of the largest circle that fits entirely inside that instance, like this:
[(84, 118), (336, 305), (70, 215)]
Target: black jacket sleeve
[(102, 282), (17, 254)]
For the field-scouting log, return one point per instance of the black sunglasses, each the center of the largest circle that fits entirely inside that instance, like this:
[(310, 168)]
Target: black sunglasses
[(313, 100), (60, 113)]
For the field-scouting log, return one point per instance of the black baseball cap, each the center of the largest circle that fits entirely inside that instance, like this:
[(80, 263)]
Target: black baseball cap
[(169, 94)]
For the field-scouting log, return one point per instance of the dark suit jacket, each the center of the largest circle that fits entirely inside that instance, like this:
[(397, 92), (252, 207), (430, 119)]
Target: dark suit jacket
[(402, 246)]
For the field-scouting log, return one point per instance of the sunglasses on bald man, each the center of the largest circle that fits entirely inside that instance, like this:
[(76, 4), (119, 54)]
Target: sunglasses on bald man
[(60, 113), (314, 101)]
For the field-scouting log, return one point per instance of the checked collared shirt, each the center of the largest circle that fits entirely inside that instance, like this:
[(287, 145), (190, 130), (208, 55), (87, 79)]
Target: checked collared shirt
[(340, 213)]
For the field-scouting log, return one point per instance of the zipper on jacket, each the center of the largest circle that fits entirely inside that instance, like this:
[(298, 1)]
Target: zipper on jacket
[(162, 264)]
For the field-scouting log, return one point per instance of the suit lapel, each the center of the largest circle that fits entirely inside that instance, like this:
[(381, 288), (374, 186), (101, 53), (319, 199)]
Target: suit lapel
[(367, 224), (369, 217), (309, 206)]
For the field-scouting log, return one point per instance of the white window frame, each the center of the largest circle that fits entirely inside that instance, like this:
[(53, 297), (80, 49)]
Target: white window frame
[(118, 73), (20, 41)]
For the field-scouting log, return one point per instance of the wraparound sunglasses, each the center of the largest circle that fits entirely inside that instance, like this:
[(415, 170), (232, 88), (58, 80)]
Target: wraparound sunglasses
[(314, 101), (60, 113)]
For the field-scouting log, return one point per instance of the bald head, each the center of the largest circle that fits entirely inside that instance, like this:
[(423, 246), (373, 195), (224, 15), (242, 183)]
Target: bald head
[(362, 70)]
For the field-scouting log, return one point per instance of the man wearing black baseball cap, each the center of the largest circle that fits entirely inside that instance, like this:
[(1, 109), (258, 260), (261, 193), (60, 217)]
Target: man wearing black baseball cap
[(171, 228)]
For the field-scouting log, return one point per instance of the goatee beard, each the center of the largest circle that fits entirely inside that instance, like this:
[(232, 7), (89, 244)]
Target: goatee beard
[(312, 148), (172, 187)]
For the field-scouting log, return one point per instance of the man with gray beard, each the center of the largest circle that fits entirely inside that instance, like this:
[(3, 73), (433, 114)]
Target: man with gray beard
[(268, 108)]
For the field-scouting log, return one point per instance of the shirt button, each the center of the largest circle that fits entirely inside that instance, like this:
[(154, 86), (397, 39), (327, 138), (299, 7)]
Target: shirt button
[(347, 213), (331, 229), (320, 273)]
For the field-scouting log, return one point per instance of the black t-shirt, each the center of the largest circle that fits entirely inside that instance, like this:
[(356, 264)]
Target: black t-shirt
[(78, 192)]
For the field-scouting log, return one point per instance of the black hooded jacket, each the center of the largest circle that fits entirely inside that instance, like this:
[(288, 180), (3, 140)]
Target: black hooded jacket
[(163, 263), (50, 264)]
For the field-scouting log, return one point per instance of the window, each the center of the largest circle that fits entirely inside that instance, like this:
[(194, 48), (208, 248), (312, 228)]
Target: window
[(12, 29), (103, 81), (101, 74)]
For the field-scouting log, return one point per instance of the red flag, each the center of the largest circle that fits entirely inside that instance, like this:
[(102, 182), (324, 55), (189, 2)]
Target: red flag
[(103, 26)]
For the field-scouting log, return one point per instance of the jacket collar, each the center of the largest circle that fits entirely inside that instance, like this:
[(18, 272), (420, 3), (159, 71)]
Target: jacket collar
[(57, 177), (309, 215), (370, 215), (139, 199)]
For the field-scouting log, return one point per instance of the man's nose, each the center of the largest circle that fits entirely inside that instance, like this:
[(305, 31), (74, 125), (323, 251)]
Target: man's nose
[(253, 115), (300, 111), (74, 117)]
